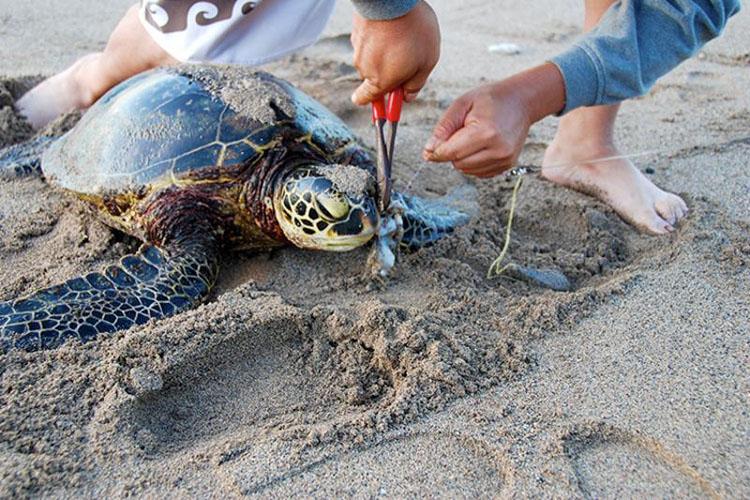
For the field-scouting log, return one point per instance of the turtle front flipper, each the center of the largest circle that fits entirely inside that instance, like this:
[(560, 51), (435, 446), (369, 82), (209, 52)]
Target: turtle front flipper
[(151, 284), (24, 159), (425, 221)]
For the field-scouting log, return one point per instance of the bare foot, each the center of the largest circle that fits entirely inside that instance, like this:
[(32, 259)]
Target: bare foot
[(617, 183), (56, 95)]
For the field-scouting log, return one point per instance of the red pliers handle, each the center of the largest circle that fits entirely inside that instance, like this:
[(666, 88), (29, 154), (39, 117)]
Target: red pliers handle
[(383, 112)]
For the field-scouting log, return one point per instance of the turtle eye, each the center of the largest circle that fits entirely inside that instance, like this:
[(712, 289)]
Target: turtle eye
[(332, 207)]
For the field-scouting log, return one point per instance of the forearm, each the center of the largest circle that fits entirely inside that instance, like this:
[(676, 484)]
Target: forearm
[(383, 9), (539, 90), (635, 43)]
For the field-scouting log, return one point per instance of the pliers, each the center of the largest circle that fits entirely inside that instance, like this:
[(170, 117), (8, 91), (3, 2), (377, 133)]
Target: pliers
[(383, 111)]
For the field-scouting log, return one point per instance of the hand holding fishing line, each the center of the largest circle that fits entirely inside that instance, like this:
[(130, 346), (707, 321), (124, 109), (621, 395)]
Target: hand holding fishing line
[(482, 133)]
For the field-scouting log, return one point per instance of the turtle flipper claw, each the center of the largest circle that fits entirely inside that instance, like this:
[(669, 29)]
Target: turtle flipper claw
[(23, 159), (150, 284)]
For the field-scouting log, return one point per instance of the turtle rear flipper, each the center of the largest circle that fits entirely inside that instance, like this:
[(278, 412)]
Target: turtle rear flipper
[(151, 284), (427, 220), (24, 159)]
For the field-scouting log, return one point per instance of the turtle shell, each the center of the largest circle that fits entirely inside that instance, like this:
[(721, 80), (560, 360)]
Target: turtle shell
[(173, 123)]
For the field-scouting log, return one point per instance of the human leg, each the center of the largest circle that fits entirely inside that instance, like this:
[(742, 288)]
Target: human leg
[(588, 133), (129, 51)]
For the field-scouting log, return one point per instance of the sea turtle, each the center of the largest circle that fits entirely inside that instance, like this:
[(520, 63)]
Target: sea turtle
[(194, 160)]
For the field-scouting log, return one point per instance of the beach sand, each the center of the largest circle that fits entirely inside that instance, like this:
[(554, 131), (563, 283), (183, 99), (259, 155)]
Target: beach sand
[(297, 378)]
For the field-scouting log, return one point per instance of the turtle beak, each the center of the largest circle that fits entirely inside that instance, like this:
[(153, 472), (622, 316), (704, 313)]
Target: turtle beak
[(354, 232)]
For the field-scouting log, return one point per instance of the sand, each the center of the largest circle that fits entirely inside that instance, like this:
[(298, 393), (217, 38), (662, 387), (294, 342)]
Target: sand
[(298, 378)]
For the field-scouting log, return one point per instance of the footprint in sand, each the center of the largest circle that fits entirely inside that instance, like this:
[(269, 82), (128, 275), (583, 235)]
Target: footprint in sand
[(415, 465), (612, 463), (248, 382)]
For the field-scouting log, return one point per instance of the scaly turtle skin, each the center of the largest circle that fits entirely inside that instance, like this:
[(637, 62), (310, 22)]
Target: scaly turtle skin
[(193, 161)]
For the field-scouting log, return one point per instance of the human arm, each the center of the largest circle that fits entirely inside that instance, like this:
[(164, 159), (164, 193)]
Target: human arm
[(396, 44), (634, 44)]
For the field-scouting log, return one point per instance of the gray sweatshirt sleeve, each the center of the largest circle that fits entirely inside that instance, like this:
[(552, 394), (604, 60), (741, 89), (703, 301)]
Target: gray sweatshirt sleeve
[(383, 9), (635, 43)]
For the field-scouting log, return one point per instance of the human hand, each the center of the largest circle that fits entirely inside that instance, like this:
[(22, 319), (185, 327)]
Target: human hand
[(484, 130), (394, 53)]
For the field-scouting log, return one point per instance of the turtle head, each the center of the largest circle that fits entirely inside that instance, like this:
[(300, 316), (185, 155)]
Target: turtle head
[(327, 207)]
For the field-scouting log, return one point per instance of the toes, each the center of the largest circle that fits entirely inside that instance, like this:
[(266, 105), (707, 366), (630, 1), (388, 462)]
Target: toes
[(671, 207), (680, 212), (659, 226), (679, 205), (667, 228), (648, 221), (683, 207), (666, 211)]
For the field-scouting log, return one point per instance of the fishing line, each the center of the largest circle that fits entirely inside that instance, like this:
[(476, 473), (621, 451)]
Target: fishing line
[(535, 169), (521, 170), (495, 266), (416, 174)]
